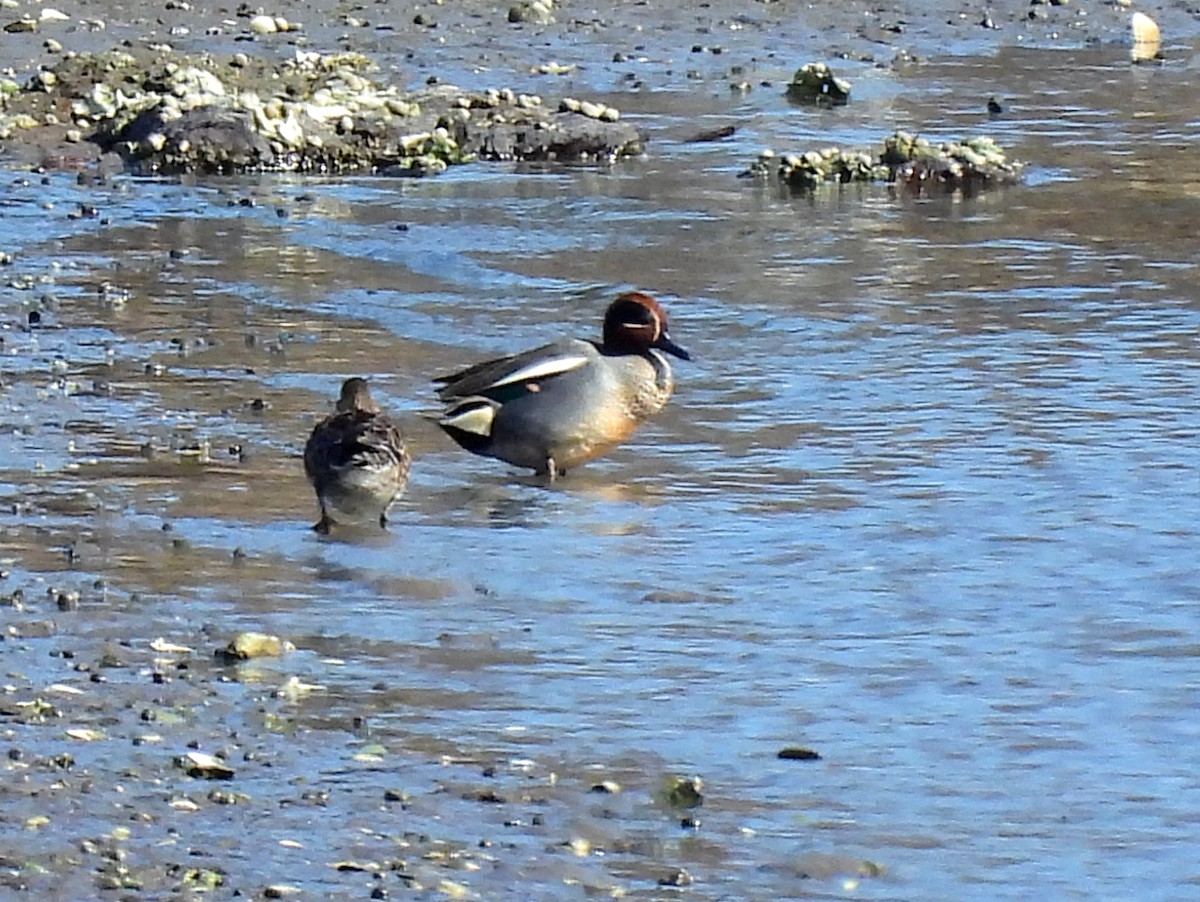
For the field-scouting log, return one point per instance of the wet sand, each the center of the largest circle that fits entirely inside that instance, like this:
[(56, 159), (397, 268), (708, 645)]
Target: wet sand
[(98, 716)]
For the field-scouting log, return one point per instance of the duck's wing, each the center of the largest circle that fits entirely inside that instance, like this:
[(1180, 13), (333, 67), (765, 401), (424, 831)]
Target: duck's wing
[(507, 377), (354, 439), (375, 442)]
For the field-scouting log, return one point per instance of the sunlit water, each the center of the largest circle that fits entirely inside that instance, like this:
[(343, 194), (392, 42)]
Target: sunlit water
[(924, 500)]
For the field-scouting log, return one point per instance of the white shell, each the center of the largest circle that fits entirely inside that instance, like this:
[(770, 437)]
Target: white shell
[(1146, 40)]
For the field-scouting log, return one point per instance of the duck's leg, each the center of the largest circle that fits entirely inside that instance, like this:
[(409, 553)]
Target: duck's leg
[(321, 527), (383, 520), (551, 469)]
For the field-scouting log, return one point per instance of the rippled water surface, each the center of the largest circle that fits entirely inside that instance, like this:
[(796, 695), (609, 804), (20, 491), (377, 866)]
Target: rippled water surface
[(924, 501)]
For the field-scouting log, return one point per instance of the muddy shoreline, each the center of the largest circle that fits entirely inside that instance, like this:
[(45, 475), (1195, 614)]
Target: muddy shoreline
[(107, 691), (478, 45)]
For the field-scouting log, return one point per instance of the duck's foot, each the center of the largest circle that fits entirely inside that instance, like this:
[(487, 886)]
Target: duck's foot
[(551, 469), (321, 527), (383, 521)]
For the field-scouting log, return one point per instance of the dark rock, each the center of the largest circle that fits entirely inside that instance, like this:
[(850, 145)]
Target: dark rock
[(797, 753), (207, 139)]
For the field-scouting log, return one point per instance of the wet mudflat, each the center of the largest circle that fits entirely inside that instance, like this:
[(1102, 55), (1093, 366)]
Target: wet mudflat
[(922, 503)]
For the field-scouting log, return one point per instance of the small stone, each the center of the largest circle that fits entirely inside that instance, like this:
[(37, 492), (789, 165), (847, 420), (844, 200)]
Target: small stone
[(279, 891), (245, 646), (83, 734), (532, 12), (1147, 40), (678, 878), (38, 629), (263, 24), (798, 753), (204, 766)]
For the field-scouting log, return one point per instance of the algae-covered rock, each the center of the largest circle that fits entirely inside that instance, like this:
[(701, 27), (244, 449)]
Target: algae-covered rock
[(816, 83), (903, 159), (201, 880), (245, 646), (683, 792), (319, 113)]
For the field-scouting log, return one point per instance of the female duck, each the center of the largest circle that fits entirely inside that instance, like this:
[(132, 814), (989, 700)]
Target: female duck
[(356, 459), (566, 403)]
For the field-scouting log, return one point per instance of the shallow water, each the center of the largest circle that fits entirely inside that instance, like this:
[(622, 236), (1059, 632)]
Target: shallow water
[(923, 501)]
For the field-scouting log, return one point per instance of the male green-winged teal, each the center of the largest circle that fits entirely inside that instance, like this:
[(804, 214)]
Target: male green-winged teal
[(568, 402), (356, 459)]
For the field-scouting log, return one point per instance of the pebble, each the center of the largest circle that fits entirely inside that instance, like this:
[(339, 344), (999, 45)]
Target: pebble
[(263, 24), (1147, 41), (677, 878), (798, 753), (532, 12)]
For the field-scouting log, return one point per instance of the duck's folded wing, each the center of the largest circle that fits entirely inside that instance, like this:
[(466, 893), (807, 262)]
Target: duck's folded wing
[(380, 444), (501, 378), (354, 440)]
